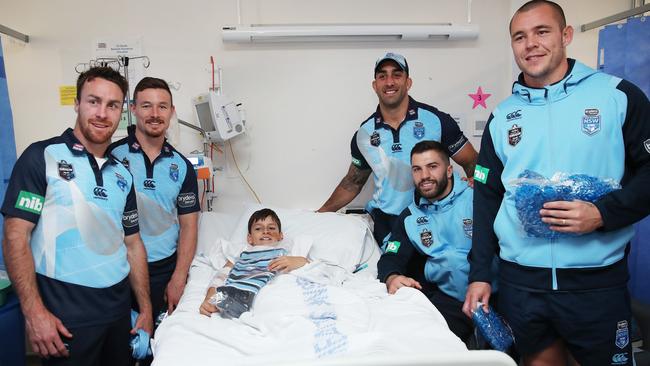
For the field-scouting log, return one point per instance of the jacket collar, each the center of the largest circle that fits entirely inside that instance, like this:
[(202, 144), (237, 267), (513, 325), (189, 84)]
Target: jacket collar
[(576, 73)]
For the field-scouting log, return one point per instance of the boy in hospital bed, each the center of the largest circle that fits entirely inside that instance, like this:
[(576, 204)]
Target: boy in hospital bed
[(233, 289)]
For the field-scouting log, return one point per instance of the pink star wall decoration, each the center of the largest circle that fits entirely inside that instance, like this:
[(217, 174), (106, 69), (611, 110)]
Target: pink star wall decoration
[(479, 98)]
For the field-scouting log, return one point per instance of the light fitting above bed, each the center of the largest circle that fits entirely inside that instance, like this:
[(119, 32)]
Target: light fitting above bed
[(276, 33)]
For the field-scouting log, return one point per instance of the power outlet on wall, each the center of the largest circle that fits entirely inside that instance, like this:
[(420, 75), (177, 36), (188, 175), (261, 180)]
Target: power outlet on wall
[(479, 126)]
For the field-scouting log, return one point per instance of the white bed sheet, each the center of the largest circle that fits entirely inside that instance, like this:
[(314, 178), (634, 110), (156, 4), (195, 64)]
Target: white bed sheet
[(296, 319), (318, 314)]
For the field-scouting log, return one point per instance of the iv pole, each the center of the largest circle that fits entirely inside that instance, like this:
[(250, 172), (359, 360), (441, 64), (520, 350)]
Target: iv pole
[(122, 63)]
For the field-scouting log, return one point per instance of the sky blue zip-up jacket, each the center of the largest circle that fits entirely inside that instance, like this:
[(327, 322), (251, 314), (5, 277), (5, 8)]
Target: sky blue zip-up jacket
[(442, 232), (587, 123)]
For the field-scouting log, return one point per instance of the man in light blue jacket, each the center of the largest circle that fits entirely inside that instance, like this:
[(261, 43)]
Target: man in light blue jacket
[(567, 293), (436, 228)]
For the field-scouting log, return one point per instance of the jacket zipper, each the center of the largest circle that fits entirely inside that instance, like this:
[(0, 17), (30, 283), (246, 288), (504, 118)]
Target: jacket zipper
[(551, 152)]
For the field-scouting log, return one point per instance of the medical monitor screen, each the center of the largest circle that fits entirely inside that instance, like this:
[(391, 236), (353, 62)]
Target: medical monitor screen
[(194, 160), (205, 116)]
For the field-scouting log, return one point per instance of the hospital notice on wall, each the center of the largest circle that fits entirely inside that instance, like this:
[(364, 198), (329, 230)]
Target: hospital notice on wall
[(113, 48), (103, 47), (67, 93)]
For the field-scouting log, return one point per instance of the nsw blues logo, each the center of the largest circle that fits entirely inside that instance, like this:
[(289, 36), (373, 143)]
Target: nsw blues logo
[(66, 171), (173, 172), (514, 135), (622, 334), (126, 163), (375, 140), (121, 182), (591, 121), (418, 130), (426, 238), (468, 227)]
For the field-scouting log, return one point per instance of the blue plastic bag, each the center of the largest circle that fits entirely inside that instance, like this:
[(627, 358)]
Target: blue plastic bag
[(493, 329), (533, 190)]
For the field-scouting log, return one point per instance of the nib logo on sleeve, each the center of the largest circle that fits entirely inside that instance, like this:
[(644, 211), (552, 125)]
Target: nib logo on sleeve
[(30, 202)]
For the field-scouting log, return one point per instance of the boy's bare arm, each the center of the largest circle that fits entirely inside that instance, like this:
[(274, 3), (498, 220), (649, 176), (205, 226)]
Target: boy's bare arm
[(219, 278), (287, 263), (206, 307)]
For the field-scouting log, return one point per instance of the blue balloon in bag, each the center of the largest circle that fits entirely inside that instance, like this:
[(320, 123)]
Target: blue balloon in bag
[(533, 190), (492, 327)]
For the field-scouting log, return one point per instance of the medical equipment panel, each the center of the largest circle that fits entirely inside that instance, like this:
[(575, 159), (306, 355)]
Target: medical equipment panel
[(218, 116)]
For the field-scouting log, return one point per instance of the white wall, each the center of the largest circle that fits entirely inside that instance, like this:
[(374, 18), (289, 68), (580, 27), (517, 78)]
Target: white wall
[(303, 102)]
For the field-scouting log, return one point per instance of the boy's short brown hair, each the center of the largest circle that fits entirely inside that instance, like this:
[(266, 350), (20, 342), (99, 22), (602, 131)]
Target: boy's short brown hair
[(261, 215)]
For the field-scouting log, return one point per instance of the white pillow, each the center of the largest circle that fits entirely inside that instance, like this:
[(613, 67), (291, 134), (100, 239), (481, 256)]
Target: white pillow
[(213, 225), (298, 246), (337, 238)]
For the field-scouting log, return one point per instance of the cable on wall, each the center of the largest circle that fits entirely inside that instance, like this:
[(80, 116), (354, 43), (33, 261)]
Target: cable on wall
[(232, 152)]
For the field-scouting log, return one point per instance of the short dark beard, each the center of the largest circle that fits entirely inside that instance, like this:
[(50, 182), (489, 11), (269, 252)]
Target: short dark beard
[(436, 194), (147, 133)]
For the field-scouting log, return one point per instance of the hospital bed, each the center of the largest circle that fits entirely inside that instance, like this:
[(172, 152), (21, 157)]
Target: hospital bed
[(332, 311)]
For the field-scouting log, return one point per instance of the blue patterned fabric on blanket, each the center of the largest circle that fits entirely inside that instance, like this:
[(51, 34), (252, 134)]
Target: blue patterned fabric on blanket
[(249, 274)]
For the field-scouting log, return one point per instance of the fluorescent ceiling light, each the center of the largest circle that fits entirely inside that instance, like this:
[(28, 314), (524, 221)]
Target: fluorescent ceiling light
[(347, 32)]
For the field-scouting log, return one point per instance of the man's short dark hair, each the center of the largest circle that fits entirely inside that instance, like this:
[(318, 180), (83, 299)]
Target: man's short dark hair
[(263, 214), (151, 83), (559, 13), (427, 145), (105, 73)]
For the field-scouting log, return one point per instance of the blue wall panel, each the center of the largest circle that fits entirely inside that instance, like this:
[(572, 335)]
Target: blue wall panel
[(624, 51), (7, 141)]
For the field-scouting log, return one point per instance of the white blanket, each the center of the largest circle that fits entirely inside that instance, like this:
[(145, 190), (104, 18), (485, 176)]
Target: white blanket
[(318, 311)]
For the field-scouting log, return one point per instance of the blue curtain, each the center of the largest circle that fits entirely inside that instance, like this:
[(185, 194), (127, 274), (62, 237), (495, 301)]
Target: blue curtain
[(624, 51), (7, 142)]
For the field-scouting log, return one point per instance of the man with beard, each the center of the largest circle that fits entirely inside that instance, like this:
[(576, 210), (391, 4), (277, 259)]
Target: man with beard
[(71, 236), (166, 189), (436, 226), (382, 144)]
